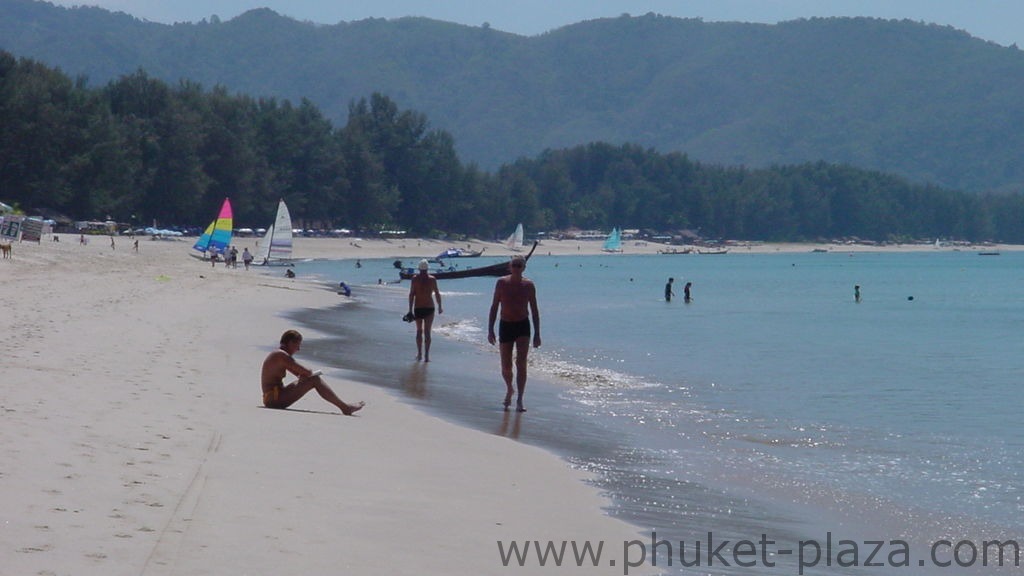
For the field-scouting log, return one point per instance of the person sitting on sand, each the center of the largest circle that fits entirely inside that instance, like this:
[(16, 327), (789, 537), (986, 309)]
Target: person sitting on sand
[(281, 361)]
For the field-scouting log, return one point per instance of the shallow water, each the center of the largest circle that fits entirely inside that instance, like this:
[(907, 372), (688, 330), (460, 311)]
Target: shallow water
[(773, 403)]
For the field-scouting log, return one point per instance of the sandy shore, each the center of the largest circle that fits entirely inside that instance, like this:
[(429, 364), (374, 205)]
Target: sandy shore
[(411, 249), (132, 440)]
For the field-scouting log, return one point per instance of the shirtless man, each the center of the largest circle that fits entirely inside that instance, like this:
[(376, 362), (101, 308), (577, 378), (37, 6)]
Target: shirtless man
[(279, 362), (517, 298), (421, 305)]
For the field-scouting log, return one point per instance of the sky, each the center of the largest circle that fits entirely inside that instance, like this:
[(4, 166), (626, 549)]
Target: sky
[(1000, 21)]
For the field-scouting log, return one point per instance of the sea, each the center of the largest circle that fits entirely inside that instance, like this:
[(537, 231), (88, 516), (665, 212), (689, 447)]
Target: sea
[(773, 409)]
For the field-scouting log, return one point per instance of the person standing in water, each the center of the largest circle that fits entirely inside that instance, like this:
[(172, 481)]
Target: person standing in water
[(516, 296), (668, 290), (686, 292), (422, 292)]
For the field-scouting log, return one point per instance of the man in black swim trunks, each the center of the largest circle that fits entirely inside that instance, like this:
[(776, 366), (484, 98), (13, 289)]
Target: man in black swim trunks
[(516, 295), (421, 305)]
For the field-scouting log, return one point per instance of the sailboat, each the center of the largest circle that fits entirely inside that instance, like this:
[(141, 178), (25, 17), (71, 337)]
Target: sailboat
[(217, 236), (515, 241), (276, 245), (613, 243)]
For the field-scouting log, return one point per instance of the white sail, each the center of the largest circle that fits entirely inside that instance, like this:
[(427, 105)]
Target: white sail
[(515, 241), (276, 244)]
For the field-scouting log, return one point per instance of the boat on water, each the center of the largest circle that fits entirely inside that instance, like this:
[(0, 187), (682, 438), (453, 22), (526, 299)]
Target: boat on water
[(458, 253), (217, 236), (515, 240), (275, 248), (499, 269), (613, 243), (720, 251)]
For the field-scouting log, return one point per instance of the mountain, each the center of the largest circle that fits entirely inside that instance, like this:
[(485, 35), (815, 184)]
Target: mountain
[(930, 103)]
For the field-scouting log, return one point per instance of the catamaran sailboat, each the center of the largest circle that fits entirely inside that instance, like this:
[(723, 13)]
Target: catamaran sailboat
[(515, 241), (613, 243), (217, 236), (275, 248)]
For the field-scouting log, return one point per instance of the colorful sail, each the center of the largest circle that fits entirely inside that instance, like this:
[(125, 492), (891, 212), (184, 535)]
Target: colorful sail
[(276, 244), (614, 241), (217, 236)]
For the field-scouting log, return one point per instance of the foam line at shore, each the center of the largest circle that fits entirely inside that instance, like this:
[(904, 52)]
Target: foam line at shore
[(133, 439)]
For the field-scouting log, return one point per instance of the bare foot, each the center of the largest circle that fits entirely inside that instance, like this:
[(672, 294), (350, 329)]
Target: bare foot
[(520, 408), (507, 402), (353, 408)]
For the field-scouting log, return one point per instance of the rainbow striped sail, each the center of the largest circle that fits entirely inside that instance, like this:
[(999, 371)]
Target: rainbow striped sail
[(217, 237)]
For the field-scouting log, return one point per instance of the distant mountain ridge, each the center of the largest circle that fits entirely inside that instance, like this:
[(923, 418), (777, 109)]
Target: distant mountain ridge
[(927, 102)]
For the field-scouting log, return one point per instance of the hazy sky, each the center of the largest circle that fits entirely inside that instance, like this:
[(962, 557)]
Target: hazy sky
[(1000, 21)]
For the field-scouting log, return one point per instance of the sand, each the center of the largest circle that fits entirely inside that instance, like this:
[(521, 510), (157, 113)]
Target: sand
[(132, 440)]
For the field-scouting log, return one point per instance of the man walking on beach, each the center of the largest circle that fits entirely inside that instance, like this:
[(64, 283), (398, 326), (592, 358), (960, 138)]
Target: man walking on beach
[(516, 295), (281, 361), (421, 305)]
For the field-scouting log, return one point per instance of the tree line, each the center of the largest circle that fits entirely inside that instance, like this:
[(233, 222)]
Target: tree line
[(139, 150)]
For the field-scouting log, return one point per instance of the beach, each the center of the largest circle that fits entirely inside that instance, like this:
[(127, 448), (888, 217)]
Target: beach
[(133, 440)]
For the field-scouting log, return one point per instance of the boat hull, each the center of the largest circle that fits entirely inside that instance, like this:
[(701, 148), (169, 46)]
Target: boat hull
[(499, 269)]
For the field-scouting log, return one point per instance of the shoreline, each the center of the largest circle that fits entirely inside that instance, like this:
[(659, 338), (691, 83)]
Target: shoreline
[(349, 248), (135, 441)]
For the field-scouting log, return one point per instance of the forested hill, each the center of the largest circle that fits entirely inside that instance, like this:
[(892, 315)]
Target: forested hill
[(927, 102)]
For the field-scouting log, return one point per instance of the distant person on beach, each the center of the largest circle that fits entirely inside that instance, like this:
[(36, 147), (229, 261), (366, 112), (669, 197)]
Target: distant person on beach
[(289, 273), (516, 295), (668, 290), (281, 361), (246, 257), (686, 292), (421, 305)]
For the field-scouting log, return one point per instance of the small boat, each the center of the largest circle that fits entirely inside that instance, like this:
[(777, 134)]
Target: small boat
[(275, 248), (613, 243), (722, 251), (515, 240), (458, 253), (988, 253), (499, 269), (217, 236), (673, 251)]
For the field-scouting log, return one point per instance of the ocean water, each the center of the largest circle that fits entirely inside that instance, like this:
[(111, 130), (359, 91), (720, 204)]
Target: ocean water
[(773, 404)]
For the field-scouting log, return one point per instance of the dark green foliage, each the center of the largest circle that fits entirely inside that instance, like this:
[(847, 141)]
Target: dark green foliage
[(138, 150), (929, 103)]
